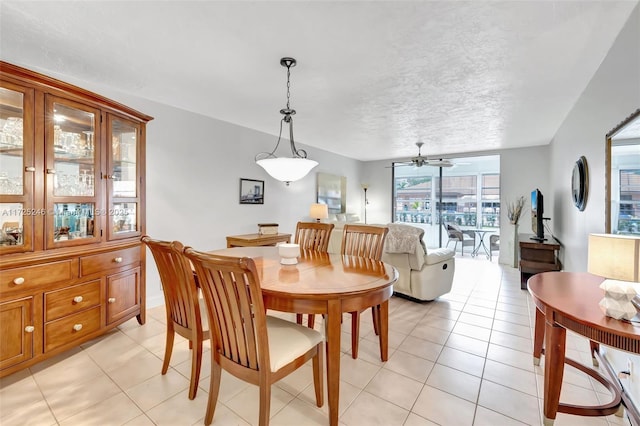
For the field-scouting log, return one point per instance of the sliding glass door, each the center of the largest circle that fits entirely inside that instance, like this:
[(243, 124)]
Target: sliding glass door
[(466, 194)]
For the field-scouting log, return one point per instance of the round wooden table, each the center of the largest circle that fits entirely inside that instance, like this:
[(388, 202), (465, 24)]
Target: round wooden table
[(569, 301), (328, 284)]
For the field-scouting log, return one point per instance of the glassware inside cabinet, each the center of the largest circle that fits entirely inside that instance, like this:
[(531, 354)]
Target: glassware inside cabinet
[(73, 221), (124, 146), (11, 142), (124, 217), (11, 222), (74, 152)]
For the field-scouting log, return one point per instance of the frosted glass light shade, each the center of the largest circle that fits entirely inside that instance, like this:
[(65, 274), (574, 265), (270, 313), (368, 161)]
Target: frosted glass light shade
[(614, 256), (287, 169), (319, 211)]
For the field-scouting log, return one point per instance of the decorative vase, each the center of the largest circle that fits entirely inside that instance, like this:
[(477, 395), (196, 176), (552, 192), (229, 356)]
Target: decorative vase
[(617, 299), (515, 245)]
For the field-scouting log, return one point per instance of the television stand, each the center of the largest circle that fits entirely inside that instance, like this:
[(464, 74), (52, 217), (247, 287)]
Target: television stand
[(538, 239), (537, 256)]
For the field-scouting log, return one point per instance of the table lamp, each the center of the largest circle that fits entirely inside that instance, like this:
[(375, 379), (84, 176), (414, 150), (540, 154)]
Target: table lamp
[(319, 211), (616, 258)]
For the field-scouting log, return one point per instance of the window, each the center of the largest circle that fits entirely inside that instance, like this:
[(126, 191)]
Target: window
[(625, 184), (491, 200), (470, 195)]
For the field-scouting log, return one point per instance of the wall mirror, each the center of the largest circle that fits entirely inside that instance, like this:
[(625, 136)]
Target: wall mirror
[(580, 183), (622, 190)]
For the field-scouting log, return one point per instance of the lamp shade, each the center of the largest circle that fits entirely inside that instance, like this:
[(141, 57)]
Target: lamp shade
[(614, 256), (287, 169), (319, 211)]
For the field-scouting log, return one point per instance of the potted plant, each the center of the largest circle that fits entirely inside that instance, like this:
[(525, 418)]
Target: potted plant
[(514, 211)]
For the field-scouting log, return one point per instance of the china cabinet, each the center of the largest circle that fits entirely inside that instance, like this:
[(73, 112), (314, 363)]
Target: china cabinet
[(71, 215)]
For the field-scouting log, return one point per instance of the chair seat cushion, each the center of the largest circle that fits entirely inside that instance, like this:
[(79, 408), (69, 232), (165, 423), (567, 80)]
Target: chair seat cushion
[(438, 255), (288, 340)]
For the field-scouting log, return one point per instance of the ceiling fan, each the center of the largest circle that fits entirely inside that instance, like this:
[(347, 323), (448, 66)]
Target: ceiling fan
[(420, 161)]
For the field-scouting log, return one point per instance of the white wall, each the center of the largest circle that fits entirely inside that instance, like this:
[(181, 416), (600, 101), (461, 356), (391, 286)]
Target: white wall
[(521, 171), (612, 94)]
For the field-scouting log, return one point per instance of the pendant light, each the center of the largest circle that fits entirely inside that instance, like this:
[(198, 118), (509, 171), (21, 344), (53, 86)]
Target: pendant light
[(286, 169)]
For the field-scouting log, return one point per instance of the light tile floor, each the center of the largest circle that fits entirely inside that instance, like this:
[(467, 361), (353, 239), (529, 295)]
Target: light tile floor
[(464, 359)]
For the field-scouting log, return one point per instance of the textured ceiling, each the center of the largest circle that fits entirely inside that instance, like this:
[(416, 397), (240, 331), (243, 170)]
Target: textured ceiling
[(372, 78)]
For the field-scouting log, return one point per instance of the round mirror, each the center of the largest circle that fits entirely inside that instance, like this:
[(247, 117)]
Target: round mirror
[(579, 183)]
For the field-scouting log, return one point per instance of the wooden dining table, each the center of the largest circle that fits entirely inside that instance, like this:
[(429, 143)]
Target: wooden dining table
[(327, 284)]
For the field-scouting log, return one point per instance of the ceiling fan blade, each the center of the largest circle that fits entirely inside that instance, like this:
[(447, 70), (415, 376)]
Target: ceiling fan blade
[(440, 163), (398, 164)]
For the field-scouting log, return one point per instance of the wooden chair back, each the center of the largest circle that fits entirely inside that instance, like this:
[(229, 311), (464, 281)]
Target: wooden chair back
[(178, 285), (313, 235), (237, 318), (363, 240)]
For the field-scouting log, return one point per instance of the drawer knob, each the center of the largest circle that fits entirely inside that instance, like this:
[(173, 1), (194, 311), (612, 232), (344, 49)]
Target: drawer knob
[(112, 300), (77, 327), (117, 260), (29, 329), (18, 281), (77, 299)]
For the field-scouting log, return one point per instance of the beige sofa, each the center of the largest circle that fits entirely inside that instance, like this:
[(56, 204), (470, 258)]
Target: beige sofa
[(424, 274)]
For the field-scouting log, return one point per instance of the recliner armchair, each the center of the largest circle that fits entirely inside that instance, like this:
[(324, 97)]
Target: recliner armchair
[(424, 274)]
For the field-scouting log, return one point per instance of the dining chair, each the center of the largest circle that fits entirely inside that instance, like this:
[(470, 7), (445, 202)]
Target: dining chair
[(313, 236), (246, 342), (364, 241), (186, 312), (494, 244), (464, 237)]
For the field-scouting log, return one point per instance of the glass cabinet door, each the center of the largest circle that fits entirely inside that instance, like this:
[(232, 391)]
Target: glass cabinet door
[(17, 213), (72, 165), (123, 185)]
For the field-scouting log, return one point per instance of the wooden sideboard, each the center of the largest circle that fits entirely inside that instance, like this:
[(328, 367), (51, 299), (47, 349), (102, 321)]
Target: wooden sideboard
[(257, 240), (72, 210), (537, 256)]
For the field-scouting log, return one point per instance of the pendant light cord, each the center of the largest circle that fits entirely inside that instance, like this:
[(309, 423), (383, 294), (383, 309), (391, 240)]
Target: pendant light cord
[(288, 118)]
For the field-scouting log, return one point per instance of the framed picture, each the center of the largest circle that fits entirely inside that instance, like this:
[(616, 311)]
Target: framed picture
[(332, 191), (251, 191)]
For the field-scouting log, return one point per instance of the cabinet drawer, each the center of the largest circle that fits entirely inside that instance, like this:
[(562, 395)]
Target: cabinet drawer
[(113, 259), (70, 328), (16, 279), (71, 300)]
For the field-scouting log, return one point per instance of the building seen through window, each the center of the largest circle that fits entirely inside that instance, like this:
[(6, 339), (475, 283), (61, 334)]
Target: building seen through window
[(625, 183)]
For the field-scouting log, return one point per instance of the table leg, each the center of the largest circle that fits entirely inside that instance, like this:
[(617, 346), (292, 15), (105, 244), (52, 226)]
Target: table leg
[(334, 313), (554, 352), (383, 317), (538, 337)]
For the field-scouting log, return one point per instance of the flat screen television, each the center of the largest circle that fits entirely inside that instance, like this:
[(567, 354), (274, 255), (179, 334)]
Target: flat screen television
[(537, 209)]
